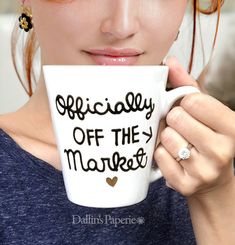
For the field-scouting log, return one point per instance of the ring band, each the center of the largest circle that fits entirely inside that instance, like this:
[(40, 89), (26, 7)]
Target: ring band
[(184, 153)]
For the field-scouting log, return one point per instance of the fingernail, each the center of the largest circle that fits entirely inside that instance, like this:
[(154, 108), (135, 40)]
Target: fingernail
[(169, 59)]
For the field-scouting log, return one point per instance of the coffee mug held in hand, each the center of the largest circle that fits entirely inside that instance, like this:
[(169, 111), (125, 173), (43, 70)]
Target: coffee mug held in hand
[(105, 119)]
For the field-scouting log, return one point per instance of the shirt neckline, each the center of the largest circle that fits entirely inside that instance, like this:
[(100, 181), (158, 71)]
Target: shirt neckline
[(39, 166)]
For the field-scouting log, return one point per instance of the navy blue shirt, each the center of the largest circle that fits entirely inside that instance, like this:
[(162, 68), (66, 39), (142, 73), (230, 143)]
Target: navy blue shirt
[(34, 209)]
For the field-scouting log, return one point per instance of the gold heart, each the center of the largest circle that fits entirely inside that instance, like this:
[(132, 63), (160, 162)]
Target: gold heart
[(112, 181)]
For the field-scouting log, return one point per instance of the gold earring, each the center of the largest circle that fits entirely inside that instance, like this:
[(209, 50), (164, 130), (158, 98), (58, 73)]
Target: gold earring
[(25, 20), (177, 36)]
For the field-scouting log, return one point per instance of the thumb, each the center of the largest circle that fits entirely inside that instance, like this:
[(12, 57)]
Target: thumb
[(178, 76)]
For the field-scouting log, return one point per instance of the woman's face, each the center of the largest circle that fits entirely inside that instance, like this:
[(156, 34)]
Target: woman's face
[(67, 28)]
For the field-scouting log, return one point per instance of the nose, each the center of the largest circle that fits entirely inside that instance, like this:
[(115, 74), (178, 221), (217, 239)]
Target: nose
[(123, 21)]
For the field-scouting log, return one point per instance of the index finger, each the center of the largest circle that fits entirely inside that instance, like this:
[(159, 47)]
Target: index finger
[(178, 76)]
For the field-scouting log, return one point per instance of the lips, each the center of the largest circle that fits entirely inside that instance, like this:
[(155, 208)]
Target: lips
[(114, 56)]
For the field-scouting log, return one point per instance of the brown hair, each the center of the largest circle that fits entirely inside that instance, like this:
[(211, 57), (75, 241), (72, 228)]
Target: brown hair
[(31, 44)]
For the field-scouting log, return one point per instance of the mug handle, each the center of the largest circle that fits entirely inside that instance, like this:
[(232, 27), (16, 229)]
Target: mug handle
[(171, 97)]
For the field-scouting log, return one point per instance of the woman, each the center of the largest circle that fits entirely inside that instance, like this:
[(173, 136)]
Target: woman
[(198, 206)]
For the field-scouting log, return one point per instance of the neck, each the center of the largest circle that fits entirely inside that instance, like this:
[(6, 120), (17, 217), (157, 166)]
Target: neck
[(37, 112)]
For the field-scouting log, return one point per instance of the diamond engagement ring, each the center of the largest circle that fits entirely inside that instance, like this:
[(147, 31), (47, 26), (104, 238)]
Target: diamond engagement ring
[(184, 153)]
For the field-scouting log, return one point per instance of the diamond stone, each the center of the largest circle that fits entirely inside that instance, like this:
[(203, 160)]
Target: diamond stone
[(184, 153)]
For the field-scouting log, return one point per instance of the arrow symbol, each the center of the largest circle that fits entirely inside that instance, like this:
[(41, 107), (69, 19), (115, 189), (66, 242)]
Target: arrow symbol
[(148, 134)]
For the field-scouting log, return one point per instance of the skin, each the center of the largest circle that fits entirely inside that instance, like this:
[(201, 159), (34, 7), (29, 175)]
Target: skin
[(207, 178), (116, 23)]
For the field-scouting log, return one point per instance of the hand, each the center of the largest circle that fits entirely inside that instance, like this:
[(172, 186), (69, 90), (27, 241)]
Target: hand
[(209, 126)]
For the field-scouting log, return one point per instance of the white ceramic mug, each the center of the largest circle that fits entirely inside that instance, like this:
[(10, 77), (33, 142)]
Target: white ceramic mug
[(105, 120)]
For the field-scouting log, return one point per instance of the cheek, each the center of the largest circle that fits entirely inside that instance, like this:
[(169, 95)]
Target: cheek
[(59, 34), (162, 28)]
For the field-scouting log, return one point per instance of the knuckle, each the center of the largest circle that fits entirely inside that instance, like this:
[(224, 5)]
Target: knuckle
[(159, 153), (192, 101), (172, 177), (233, 142), (186, 190), (174, 117), (221, 155), (209, 177), (186, 193), (166, 136), (222, 151)]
